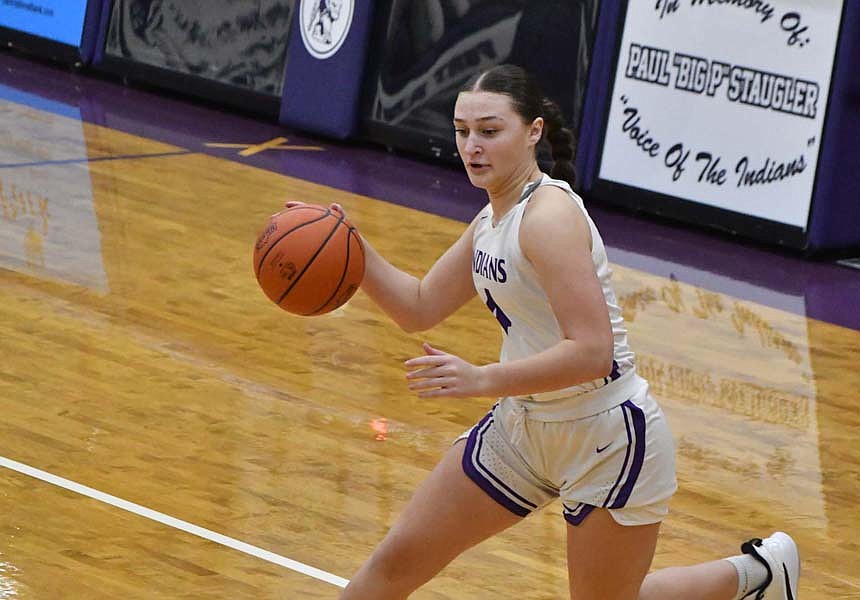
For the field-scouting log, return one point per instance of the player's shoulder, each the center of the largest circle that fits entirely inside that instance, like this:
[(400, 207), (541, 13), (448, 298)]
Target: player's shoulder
[(554, 213), (553, 200), (551, 195)]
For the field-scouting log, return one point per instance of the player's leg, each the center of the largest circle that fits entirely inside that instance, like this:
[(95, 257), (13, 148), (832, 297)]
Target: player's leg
[(608, 560), (447, 515), (767, 570), (615, 500), (716, 580)]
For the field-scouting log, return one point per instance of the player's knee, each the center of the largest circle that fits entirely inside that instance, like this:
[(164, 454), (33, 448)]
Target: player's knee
[(401, 564), (659, 584)]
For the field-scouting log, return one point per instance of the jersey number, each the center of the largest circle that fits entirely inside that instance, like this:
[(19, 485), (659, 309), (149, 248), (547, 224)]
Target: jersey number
[(497, 311)]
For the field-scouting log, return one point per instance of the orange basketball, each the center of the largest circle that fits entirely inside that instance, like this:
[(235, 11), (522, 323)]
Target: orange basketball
[(308, 259)]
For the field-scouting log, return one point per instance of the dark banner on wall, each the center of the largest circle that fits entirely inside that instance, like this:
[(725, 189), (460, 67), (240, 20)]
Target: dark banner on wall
[(431, 47), (239, 44)]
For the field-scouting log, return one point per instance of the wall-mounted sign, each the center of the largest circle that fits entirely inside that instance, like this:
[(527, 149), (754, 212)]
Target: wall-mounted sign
[(722, 102), (58, 20)]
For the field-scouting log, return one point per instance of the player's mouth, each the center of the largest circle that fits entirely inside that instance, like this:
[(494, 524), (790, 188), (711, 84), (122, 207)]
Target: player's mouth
[(478, 167)]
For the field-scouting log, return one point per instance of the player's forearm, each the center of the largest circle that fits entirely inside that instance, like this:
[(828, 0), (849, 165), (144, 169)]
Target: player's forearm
[(396, 292), (568, 363)]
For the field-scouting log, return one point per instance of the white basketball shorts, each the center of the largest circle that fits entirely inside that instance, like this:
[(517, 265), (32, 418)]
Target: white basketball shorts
[(621, 459)]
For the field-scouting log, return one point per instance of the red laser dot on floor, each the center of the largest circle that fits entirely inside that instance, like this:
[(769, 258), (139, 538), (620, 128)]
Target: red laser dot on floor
[(380, 426)]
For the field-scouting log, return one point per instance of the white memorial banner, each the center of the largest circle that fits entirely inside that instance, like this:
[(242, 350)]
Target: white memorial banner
[(722, 102)]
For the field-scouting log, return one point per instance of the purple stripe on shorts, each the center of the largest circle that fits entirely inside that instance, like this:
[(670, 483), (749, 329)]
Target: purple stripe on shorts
[(638, 418), (470, 468), (492, 475), (575, 518), (626, 458)]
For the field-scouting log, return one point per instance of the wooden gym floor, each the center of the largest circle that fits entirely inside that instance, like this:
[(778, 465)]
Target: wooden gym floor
[(169, 433)]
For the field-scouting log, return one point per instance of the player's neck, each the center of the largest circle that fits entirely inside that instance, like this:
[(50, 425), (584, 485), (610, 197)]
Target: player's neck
[(507, 194)]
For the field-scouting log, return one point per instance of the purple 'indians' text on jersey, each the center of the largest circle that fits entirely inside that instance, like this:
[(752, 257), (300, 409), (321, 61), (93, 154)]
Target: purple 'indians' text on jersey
[(507, 283)]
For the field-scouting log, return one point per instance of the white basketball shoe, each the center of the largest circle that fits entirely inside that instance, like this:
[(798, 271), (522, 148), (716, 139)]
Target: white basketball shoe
[(778, 553)]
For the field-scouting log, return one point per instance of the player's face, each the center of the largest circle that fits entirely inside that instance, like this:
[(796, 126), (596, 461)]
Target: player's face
[(493, 141)]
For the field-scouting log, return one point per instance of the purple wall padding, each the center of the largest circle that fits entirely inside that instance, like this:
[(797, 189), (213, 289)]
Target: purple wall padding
[(104, 11), (835, 219), (92, 30), (596, 105), (323, 95)]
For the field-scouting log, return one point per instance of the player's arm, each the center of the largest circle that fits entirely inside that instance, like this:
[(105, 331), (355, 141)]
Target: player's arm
[(419, 304), (556, 239)]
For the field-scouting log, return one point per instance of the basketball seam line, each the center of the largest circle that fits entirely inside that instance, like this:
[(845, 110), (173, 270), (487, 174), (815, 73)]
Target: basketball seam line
[(352, 232), (339, 283), (313, 258), (286, 233)]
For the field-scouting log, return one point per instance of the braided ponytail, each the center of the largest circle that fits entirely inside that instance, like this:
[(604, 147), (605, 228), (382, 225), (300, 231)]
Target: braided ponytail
[(561, 143)]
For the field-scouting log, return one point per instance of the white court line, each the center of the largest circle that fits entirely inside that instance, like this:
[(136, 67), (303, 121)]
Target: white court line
[(175, 523)]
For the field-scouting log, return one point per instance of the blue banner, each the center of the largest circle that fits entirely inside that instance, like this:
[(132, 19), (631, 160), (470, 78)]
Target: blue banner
[(58, 20)]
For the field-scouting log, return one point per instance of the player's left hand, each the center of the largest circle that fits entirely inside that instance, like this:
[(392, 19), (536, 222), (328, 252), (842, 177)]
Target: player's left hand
[(438, 374)]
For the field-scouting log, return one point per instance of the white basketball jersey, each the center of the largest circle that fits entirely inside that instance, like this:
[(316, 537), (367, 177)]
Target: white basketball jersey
[(508, 284)]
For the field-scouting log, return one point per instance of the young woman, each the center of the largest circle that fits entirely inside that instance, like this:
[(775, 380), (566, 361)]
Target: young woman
[(573, 421)]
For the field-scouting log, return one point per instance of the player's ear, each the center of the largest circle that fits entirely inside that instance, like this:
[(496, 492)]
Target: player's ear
[(536, 130)]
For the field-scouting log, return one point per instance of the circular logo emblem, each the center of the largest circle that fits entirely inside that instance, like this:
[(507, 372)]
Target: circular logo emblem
[(325, 25)]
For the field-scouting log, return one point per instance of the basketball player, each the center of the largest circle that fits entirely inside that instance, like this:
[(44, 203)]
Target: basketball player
[(574, 421)]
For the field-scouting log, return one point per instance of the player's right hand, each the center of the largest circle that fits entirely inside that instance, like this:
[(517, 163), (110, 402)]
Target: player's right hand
[(334, 206)]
